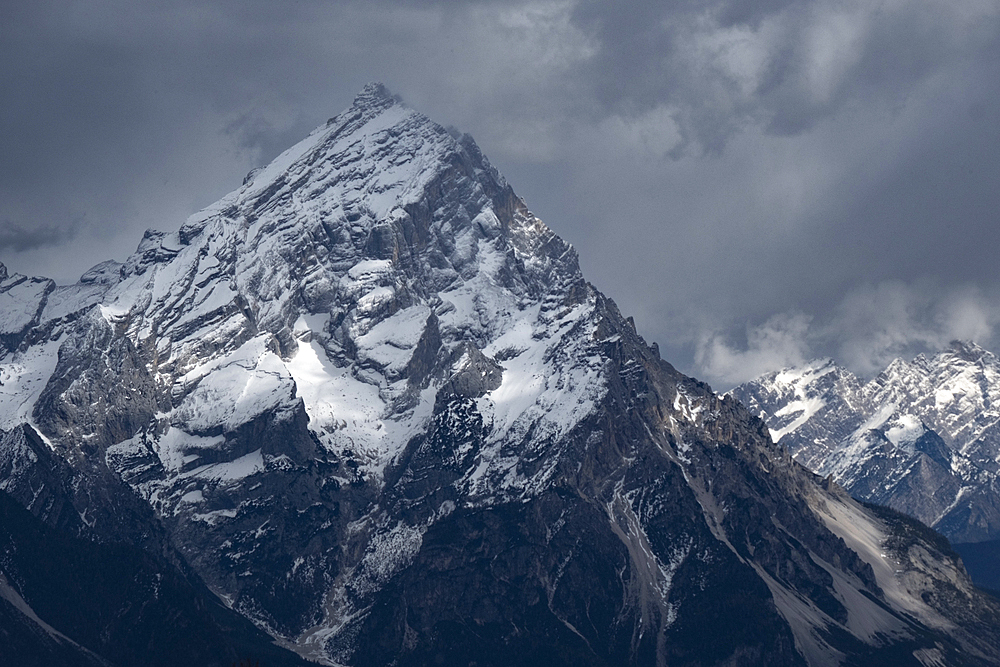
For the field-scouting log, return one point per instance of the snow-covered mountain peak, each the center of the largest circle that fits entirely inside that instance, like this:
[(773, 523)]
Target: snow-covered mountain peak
[(923, 434), (969, 351), (956, 388), (374, 95), (344, 275), (806, 374), (811, 380)]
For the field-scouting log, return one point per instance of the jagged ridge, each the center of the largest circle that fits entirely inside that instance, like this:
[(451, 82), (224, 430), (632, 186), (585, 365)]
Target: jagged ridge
[(922, 436)]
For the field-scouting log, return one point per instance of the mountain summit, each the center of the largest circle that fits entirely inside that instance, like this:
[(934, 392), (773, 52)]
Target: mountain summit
[(922, 436), (369, 399)]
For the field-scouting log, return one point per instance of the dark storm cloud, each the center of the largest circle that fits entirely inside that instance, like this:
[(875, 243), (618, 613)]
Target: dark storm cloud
[(826, 146), (133, 116), (19, 237), (740, 176), (787, 63)]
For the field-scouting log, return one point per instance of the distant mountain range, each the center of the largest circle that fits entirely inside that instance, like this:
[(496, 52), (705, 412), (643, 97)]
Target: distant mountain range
[(369, 403), (922, 436)]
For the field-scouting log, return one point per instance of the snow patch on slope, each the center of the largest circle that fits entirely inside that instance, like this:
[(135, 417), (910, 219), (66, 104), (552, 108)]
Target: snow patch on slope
[(23, 376), (390, 343), (805, 408), (537, 391), (20, 301), (236, 389), (905, 431), (230, 471), (806, 403), (351, 414), (176, 448)]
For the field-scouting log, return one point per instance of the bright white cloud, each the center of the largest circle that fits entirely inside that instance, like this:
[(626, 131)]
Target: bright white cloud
[(778, 343), (870, 327), (876, 324)]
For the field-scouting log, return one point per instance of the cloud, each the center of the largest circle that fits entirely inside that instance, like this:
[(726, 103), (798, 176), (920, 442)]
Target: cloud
[(20, 237), (778, 343), (876, 324), (785, 64), (967, 315), (871, 326)]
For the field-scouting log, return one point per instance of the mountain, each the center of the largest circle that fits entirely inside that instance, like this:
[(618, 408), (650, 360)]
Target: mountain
[(112, 605), (922, 437), (371, 402)]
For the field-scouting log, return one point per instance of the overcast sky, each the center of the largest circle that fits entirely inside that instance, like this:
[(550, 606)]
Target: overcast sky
[(757, 183)]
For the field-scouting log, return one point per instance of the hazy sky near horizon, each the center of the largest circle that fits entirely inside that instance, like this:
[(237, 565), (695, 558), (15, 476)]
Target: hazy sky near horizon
[(757, 183)]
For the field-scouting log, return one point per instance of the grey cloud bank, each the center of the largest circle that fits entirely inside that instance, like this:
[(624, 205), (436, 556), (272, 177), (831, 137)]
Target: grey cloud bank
[(757, 185)]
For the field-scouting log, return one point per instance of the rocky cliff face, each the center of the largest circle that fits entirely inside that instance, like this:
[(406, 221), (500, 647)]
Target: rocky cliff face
[(371, 401), (921, 437)]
